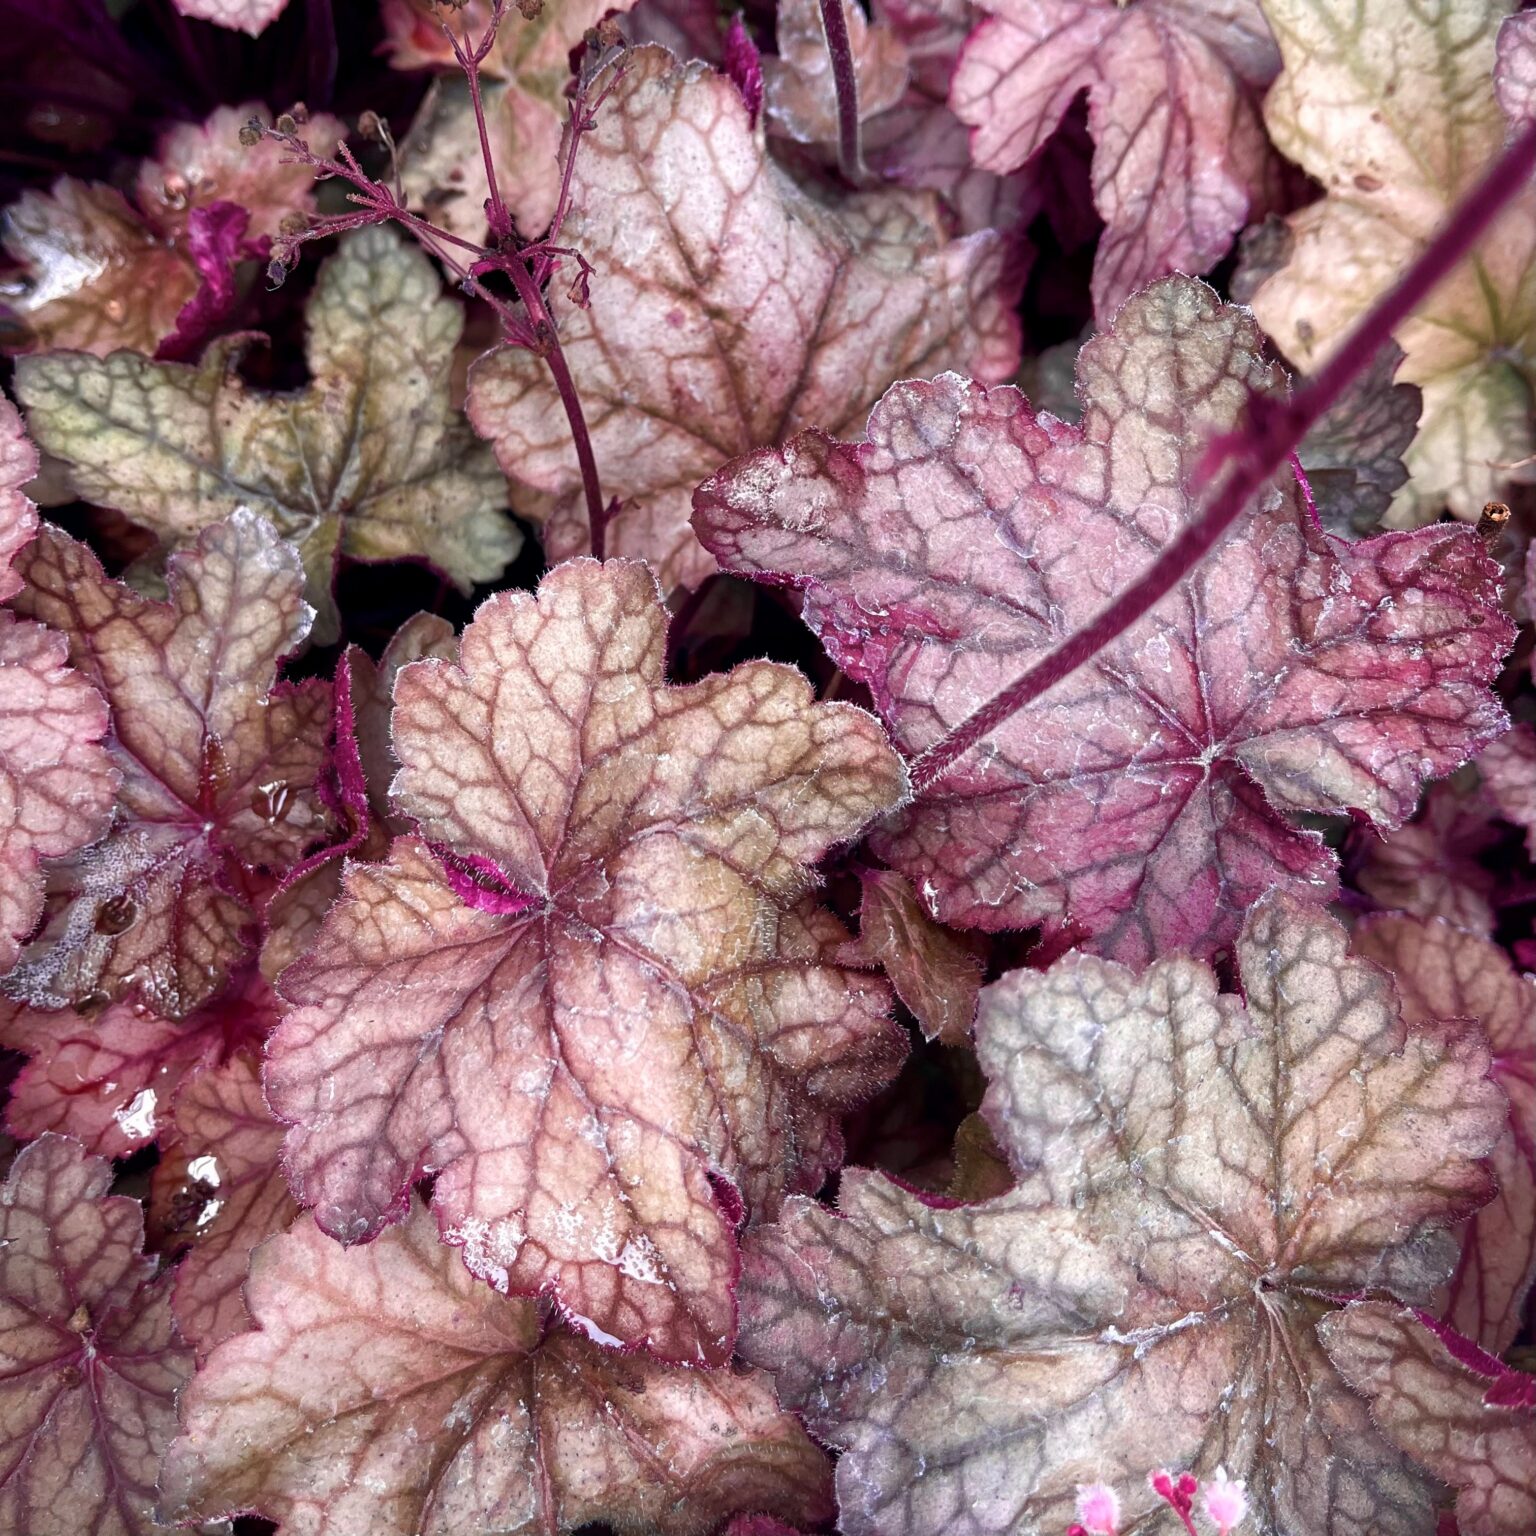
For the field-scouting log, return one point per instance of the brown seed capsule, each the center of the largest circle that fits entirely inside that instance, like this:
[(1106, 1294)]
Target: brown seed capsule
[(251, 133), (286, 123)]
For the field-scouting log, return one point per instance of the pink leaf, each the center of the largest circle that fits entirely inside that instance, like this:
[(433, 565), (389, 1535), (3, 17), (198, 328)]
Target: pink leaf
[(1445, 1413), (1444, 973), (249, 16), (92, 1363), (56, 780), (936, 973), (219, 1191), (1173, 93), (385, 1393), (215, 242), (744, 65), (219, 765), (1144, 802), (620, 989), (102, 272), (108, 1078), (1199, 1174), (729, 309)]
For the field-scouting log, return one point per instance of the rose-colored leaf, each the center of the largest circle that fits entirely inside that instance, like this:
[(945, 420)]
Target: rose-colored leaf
[(1392, 108), (1508, 771), (1434, 866), (1428, 1399), (219, 1190), (1443, 972), (1514, 72), (109, 1079), (250, 16), (935, 972), (800, 95), (100, 271), (523, 95), (1146, 800), (610, 985), (218, 762), (728, 310), (385, 1393), (215, 241), (743, 65), (18, 516), (1196, 1175), (1173, 91), (91, 1361), (370, 460)]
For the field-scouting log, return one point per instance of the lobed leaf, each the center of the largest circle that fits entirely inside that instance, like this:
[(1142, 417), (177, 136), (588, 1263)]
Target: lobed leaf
[(385, 1393), (935, 973), (1393, 110), (101, 270), (219, 765), (1439, 1399), (607, 986), (91, 1360), (1198, 1178), (1443, 972), (56, 780), (1173, 91), (219, 1191), (729, 309), (1144, 802), (370, 460)]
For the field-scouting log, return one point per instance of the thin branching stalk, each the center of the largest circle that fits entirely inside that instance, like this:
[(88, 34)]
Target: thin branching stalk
[(1238, 463)]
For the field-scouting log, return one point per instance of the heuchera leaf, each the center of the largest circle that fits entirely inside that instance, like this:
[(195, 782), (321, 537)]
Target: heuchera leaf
[(1144, 802), (610, 985), (1458, 1412), (250, 16), (1353, 457), (1434, 865), (56, 780), (729, 310), (1392, 108), (935, 972), (1197, 1177), (1443, 972), (100, 270), (386, 1393), (91, 1359), (1173, 90), (370, 460), (800, 95), (109, 1078), (523, 93), (1508, 770), (219, 1191), (219, 766)]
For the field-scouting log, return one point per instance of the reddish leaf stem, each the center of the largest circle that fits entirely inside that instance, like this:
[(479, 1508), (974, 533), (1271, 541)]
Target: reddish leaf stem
[(1246, 458), (850, 149)]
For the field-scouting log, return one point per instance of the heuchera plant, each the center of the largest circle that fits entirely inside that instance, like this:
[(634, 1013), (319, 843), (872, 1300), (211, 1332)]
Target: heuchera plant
[(748, 818)]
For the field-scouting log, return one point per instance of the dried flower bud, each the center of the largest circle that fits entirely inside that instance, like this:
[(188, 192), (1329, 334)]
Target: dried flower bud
[(370, 125), (294, 223), (609, 33), (277, 272), (531, 9), (286, 123), (252, 133), (299, 113)]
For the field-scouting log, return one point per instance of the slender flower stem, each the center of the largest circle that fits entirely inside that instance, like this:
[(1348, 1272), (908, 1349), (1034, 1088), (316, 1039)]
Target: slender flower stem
[(547, 345), (1238, 463), (850, 150), (469, 60)]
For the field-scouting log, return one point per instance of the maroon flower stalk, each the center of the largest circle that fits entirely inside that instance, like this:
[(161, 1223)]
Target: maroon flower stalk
[(1246, 458), (850, 151)]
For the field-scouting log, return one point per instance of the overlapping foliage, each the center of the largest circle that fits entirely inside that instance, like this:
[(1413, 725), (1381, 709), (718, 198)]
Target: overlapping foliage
[(738, 820)]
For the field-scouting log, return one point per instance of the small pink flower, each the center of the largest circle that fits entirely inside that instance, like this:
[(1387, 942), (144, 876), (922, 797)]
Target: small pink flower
[(1226, 1502), (1098, 1509)]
